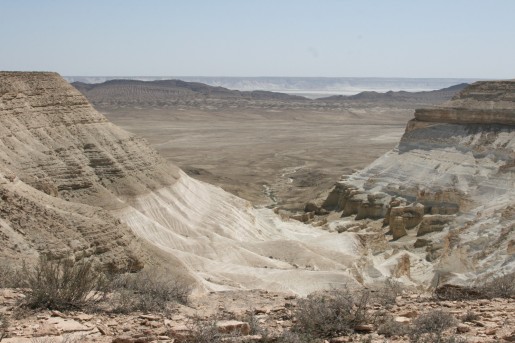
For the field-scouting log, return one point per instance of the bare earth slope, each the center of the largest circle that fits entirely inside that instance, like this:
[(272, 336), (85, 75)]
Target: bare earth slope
[(447, 191)]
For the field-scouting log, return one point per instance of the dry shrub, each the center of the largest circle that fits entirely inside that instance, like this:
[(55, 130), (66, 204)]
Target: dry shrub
[(497, 287), (11, 277), (388, 327), (331, 314), (295, 337), (387, 293), (202, 332), (62, 284), (147, 291), (430, 326), (65, 339), (255, 327), (470, 316), (4, 325)]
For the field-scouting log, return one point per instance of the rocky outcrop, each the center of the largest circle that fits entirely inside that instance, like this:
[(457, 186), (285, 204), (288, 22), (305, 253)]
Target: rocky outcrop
[(490, 102), (449, 178), (42, 167)]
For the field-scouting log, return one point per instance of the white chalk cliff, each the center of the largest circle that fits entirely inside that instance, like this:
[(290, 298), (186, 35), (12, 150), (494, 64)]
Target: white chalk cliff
[(447, 191)]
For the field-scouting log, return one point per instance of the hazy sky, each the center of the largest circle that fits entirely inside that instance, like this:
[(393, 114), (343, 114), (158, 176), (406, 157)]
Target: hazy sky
[(383, 38)]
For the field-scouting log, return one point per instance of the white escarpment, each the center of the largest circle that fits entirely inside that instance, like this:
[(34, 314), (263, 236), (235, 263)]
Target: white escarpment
[(447, 191)]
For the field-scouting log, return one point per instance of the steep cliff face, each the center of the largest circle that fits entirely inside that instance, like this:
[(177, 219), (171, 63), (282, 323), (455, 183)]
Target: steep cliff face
[(73, 183), (451, 180), (45, 127)]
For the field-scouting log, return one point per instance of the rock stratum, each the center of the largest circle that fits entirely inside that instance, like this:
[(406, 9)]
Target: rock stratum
[(446, 193), (74, 184)]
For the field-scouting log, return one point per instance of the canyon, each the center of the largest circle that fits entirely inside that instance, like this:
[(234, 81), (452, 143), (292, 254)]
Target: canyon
[(434, 212), (74, 184)]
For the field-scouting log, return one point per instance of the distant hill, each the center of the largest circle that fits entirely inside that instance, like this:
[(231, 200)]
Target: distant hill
[(164, 91), (156, 93), (439, 95)]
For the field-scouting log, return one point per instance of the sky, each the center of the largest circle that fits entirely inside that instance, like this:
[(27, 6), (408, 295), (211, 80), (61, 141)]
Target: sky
[(332, 38)]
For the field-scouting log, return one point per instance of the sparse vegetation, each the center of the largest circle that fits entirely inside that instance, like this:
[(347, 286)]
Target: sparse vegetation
[(201, 332), (4, 325), (497, 287), (470, 316), (331, 314), (388, 292), (63, 284), (11, 277), (147, 291), (296, 337), (66, 284), (387, 326), (500, 287), (430, 326)]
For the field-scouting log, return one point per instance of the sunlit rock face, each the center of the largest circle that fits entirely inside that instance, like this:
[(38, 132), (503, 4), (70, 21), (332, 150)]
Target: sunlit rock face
[(74, 184), (451, 179)]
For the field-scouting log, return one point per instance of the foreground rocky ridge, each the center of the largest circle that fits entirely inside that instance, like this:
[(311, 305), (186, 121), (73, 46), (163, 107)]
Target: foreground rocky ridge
[(254, 316), (446, 192)]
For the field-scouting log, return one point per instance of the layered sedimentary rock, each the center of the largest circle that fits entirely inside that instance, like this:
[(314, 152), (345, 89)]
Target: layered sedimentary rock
[(451, 176), (481, 103), (73, 184)]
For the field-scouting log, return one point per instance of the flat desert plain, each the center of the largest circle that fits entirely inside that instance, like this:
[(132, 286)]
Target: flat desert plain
[(281, 158)]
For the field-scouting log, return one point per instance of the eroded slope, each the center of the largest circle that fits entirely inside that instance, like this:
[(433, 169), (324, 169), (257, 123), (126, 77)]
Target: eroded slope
[(447, 191)]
